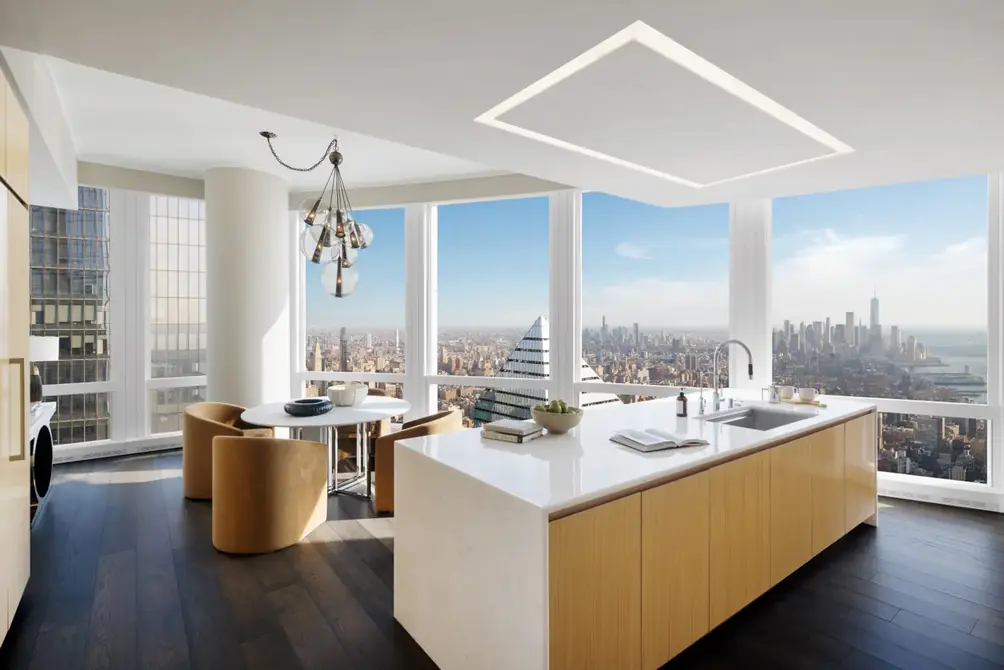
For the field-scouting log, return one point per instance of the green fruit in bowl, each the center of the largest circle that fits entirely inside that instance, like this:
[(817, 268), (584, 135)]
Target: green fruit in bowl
[(554, 407)]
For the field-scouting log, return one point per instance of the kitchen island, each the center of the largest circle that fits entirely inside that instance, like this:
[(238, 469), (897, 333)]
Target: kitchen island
[(573, 552)]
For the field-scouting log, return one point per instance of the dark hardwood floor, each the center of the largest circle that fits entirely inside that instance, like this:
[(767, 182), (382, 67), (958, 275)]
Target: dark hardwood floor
[(124, 575)]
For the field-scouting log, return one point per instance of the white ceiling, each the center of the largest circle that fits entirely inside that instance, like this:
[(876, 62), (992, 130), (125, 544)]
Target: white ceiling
[(913, 86), (126, 122)]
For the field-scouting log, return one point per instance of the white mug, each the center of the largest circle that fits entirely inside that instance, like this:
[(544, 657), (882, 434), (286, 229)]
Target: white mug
[(787, 392), (807, 394)]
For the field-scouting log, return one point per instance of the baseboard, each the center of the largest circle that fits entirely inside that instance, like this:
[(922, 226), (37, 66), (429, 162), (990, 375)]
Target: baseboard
[(107, 449), (988, 501)]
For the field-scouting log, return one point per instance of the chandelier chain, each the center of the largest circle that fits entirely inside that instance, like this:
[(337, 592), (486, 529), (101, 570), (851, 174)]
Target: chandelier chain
[(331, 147)]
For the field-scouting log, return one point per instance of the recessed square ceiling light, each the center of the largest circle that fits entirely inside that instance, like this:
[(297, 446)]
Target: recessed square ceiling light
[(649, 37)]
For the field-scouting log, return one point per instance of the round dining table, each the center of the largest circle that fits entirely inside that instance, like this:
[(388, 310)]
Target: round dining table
[(373, 408)]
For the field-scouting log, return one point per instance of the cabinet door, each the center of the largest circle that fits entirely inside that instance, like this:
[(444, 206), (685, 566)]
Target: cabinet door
[(790, 507), (861, 454), (828, 499), (595, 588), (740, 522), (15, 477), (674, 567)]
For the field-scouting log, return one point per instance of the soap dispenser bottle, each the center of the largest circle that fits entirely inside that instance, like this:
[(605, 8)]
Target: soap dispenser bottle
[(681, 404)]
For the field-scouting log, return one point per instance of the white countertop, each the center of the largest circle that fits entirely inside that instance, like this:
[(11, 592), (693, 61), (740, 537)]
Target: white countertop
[(556, 472)]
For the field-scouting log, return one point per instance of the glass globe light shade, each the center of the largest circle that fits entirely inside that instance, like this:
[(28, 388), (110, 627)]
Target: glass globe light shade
[(313, 211), (314, 249), (339, 281), (347, 254), (366, 233)]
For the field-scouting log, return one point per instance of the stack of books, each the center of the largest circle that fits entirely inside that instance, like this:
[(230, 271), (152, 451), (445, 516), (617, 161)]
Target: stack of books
[(510, 430)]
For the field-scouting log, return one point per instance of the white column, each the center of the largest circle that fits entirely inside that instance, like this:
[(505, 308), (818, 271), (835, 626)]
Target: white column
[(565, 335), (420, 308), (995, 324), (247, 283), (750, 292)]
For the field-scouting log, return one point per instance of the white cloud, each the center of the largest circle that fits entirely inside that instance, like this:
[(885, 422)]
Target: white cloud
[(629, 250), (835, 274), (656, 302)]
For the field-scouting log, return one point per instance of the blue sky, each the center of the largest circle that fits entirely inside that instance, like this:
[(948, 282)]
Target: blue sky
[(921, 246)]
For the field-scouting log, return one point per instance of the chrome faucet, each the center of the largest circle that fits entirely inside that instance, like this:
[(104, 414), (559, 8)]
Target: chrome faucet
[(716, 398)]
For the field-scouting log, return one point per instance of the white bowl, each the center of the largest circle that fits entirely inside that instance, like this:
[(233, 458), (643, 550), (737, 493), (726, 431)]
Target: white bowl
[(558, 424), (349, 394)]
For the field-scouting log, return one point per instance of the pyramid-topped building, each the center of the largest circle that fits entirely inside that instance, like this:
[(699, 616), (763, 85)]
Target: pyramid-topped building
[(529, 359)]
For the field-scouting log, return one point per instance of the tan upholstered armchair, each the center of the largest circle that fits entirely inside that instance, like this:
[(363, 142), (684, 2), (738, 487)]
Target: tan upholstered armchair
[(346, 442), (443, 422), (202, 422), (268, 493)]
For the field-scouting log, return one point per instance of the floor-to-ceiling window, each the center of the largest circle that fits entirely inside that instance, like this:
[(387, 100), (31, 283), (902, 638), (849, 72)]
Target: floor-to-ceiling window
[(362, 333), (493, 291), (655, 285), (177, 307), (69, 300), (882, 292)]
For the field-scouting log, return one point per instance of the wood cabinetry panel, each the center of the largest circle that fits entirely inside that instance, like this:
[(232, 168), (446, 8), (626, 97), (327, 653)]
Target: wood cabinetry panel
[(740, 522), (595, 588), (790, 507), (828, 498), (674, 567), (14, 312), (860, 467)]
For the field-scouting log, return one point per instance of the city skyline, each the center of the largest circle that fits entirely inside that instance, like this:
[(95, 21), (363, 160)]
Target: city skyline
[(831, 252)]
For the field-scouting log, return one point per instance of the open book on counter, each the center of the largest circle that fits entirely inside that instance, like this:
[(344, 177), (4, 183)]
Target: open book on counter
[(653, 439)]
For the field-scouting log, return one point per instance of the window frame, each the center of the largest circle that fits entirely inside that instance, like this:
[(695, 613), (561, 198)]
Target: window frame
[(749, 319)]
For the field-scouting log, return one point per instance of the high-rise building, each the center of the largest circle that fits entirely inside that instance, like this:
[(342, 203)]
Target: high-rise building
[(801, 336), (529, 359), (817, 335), (604, 333), (827, 333), (318, 359), (839, 334), (343, 350), (69, 300), (369, 341), (397, 340), (787, 329), (874, 314), (894, 343), (637, 335), (911, 348), (849, 329)]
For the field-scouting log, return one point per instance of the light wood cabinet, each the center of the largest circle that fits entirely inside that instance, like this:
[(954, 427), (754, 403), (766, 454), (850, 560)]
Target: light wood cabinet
[(675, 532), (594, 567), (790, 507), (14, 311), (828, 499), (740, 522), (860, 470)]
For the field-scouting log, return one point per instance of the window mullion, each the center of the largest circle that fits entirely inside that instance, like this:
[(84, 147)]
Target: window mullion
[(750, 292)]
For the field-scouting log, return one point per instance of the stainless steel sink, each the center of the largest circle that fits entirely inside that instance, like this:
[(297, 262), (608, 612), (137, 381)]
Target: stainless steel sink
[(755, 418)]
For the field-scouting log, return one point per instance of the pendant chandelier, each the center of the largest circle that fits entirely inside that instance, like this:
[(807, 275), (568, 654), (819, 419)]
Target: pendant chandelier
[(331, 237)]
